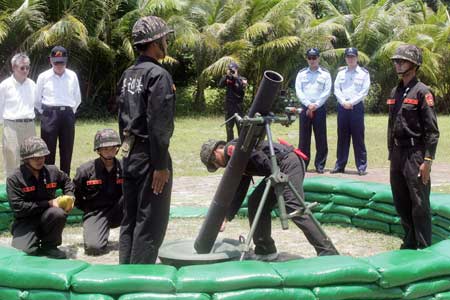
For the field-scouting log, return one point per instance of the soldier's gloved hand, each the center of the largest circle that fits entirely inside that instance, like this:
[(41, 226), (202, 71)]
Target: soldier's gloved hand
[(424, 172), (160, 178)]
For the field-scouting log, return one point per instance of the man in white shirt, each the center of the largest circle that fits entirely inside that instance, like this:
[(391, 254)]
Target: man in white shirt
[(350, 88), (16, 111), (57, 99), (313, 87)]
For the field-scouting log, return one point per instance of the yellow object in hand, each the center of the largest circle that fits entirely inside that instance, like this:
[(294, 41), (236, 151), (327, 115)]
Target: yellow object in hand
[(66, 202)]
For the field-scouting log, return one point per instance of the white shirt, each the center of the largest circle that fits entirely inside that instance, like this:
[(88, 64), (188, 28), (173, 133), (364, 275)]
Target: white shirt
[(55, 90), (351, 86), (16, 99), (313, 86)]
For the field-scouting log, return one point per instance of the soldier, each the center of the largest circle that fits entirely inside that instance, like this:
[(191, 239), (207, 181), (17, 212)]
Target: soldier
[(234, 98), (98, 190), (350, 88), (412, 140), (146, 120), (313, 87), (38, 218), (216, 154)]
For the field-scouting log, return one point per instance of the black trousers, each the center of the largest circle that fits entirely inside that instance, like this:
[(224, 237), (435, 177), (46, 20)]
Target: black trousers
[(96, 226), (264, 244), (41, 231), (146, 215), (411, 196), (232, 108), (59, 125), (319, 124)]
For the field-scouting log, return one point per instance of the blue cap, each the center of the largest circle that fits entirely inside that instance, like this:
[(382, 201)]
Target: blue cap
[(312, 52), (351, 52), (233, 65)]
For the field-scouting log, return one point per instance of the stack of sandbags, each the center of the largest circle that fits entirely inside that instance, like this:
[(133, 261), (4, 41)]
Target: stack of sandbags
[(440, 206)]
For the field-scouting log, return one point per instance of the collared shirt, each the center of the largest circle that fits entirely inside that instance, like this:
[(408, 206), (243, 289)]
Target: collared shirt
[(351, 86), (55, 90), (16, 99), (313, 86)]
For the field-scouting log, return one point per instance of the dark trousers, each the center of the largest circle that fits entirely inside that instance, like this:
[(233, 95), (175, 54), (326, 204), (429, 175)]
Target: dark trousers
[(319, 124), (41, 231), (411, 196), (59, 125), (264, 244), (232, 108), (96, 226), (350, 124), (146, 215)]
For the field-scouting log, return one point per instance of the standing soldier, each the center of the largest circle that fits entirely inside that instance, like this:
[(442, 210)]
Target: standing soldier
[(39, 217), (412, 140), (146, 120), (350, 88), (234, 97), (98, 190), (313, 87)]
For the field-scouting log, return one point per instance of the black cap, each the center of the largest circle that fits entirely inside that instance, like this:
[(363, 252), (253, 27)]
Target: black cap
[(351, 52), (58, 54), (312, 52), (233, 65)]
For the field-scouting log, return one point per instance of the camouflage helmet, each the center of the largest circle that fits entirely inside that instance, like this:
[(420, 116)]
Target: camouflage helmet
[(410, 53), (33, 147), (207, 153), (106, 138), (149, 29)]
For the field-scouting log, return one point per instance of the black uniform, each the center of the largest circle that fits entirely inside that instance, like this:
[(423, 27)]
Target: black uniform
[(146, 112), (260, 165), (99, 195), (234, 99), (36, 224), (412, 136)]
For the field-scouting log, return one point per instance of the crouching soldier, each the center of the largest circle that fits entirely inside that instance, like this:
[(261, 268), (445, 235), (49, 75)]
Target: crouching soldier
[(39, 217), (216, 154), (98, 189)]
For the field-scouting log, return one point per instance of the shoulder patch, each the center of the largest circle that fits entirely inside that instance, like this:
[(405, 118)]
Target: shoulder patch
[(430, 99), (342, 68), (28, 189), (324, 69), (303, 70), (94, 182), (51, 185), (364, 69)]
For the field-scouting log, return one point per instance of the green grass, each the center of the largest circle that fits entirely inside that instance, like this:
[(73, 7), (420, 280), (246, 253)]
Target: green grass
[(190, 133)]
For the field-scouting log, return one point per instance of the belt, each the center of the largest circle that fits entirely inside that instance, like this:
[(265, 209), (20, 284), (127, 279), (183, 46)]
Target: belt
[(21, 120), (407, 142), (46, 107)]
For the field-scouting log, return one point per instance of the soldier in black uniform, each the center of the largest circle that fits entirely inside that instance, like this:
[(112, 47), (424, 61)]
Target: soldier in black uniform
[(98, 190), (38, 219), (215, 154), (234, 97), (146, 120), (412, 140)]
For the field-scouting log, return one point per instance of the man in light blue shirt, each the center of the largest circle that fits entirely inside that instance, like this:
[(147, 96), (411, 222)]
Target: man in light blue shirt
[(313, 87), (350, 88)]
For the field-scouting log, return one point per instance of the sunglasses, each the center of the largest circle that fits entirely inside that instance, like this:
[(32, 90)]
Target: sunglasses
[(312, 57), (24, 68), (399, 61)]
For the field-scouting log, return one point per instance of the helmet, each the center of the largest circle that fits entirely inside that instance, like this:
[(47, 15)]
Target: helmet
[(410, 53), (106, 138), (149, 29), (207, 151), (33, 147)]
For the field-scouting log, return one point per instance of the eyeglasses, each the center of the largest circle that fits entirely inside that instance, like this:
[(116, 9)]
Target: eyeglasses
[(399, 61), (312, 57), (24, 68)]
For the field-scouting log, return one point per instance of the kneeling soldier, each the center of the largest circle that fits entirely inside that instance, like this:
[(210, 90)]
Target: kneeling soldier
[(39, 217), (98, 189)]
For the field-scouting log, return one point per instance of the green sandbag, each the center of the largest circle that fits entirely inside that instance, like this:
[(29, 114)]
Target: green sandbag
[(400, 267), (4, 207), (441, 248), (370, 214), (31, 272), (442, 296), (441, 232), (371, 291), (325, 270), (227, 276), (75, 296), (6, 220), (426, 288), (123, 279), (436, 239), (318, 216), (3, 194), (322, 184), (266, 294), (45, 295), (318, 197), (76, 212), (384, 196), (250, 191), (360, 189), (243, 212), (397, 229), (348, 201), (10, 251), (383, 207), (154, 296), (188, 211), (340, 209), (371, 224), (335, 219), (441, 221), (440, 204), (74, 219), (10, 294)]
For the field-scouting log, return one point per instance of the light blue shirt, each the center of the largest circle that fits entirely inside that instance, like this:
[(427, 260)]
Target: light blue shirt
[(313, 86), (351, 86)]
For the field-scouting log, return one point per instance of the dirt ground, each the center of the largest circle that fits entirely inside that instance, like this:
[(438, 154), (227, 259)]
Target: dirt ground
[(198, 191)]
